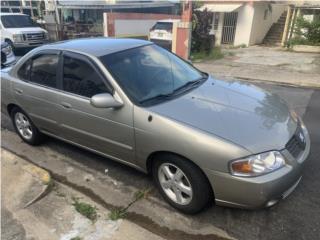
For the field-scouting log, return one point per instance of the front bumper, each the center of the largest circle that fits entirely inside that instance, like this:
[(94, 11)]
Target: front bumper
[(261, 191), (27, 44)]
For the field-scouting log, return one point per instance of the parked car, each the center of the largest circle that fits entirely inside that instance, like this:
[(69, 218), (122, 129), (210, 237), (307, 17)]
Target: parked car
[(201, 138), (19, 31), (161, 33), (7, 55)]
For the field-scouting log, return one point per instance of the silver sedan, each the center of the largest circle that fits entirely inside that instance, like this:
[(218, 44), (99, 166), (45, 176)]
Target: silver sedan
[(202, 139)]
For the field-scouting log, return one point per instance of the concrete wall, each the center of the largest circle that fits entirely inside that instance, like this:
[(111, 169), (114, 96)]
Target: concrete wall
[(131, 24), (261, 26), (244, 24), (133, 27)]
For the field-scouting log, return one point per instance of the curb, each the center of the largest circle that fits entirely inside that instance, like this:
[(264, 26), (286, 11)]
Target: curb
[(42, 176)]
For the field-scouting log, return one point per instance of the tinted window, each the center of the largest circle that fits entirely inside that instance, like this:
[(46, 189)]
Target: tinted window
[(163, 26), (17, 21), (44, 70), (80, 78), (23, 72)]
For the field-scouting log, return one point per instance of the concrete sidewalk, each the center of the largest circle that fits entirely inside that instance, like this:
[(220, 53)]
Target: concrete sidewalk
[(35, 207), (267, 65)]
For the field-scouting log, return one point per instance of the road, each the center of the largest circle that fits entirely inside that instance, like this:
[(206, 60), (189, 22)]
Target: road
[(113, 184)]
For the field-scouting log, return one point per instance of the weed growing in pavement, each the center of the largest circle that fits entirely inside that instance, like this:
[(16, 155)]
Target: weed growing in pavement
[(76, 238), (121, 212), (85, 209)]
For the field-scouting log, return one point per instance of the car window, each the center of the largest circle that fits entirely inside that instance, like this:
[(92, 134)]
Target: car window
[(82, 79), (148, 71), (24, 70), (44, 70), (17, 21), (163, 26)]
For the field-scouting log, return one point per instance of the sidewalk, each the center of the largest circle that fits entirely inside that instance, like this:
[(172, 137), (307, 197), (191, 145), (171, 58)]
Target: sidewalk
[(35, 207), (267, 65)]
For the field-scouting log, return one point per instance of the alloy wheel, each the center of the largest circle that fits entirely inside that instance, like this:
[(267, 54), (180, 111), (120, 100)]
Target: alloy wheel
[(175, 183), (23, 125)]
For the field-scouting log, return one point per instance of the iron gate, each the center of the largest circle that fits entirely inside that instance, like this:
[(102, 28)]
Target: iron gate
[(229, 27)]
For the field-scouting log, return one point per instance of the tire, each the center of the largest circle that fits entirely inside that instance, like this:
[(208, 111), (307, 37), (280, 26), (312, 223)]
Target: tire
[(25, 128), (192, 177), (10, 43)]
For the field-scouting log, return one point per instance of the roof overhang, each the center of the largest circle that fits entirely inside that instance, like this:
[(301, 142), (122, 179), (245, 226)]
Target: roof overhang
[(67, 4), (216, 7)]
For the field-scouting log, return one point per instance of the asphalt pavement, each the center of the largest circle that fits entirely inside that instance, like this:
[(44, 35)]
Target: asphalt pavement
[(111, 183)]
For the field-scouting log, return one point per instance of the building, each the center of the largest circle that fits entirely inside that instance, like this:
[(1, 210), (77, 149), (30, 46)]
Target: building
[(30, 7), (243, 22)]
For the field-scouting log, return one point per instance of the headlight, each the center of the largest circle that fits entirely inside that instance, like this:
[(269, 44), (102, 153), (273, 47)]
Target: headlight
[(257, 164), (17, 37), (46, 35)]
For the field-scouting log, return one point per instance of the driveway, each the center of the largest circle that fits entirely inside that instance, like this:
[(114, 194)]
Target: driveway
[(266, 64), (111, 184)]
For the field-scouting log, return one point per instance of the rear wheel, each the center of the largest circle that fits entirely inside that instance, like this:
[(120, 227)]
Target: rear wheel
[(181, 183), (25, 127)]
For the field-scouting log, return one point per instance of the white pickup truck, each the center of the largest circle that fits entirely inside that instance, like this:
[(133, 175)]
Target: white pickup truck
[(19, 31)]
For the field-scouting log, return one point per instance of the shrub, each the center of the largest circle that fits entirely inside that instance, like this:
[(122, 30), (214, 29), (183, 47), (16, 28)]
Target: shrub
[(306, 32)]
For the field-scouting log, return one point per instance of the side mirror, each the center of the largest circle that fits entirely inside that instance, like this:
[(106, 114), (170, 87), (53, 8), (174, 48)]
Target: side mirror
[(105, 100)]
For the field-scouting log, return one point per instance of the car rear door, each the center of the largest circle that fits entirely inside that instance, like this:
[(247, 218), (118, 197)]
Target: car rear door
[(105, 130), (35, 89)]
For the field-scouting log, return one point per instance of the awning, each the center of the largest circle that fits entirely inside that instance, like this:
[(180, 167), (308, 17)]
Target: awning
[(219, 7)]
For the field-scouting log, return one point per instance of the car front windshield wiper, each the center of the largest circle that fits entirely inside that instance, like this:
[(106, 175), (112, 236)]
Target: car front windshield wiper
[(157, 97), (176, 91), (191, 84)]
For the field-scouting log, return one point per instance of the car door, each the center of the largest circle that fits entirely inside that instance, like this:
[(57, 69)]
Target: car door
[(35, 89), (105, 130)]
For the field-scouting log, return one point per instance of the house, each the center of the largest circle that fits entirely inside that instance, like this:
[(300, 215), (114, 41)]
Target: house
[(243, 22)]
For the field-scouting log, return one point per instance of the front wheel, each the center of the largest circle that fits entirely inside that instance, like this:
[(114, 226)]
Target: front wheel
[(25, 127), (181, 183)]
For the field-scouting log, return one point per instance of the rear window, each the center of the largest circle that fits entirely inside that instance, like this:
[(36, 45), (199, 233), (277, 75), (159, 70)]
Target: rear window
[(163, 26), (17, 21)]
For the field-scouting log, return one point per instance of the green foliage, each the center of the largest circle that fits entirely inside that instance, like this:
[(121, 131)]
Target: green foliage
[(306, 32), (85, 209), (76, 238), (117, 213), (214, 54), (201, 26)]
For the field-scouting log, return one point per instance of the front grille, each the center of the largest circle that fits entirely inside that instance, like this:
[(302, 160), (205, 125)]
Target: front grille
[(297, 143), (34, 36)]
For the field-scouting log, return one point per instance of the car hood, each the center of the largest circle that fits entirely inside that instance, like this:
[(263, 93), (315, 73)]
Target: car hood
[(238, 112), (25, 30)]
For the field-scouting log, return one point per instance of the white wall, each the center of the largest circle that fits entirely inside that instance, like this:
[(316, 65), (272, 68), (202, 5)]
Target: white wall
[(244, 24), (261, 26), (133, 27)]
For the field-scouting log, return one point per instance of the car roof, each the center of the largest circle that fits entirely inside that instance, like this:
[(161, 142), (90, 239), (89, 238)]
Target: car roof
[(97, 46), (6, 14)]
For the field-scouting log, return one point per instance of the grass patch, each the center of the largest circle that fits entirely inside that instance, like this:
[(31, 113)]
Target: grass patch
[(214, 54), (117, 213), (76, 238), (85, 209)]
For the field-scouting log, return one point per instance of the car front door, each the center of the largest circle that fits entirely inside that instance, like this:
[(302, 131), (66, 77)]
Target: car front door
[(105, 130), (35, 88)]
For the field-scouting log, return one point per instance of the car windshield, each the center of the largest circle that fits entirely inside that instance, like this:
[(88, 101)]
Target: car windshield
[(17, 21), (151, 74), (162, 26)]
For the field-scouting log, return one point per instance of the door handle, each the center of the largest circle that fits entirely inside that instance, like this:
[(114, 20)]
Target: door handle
[(65, 105), (18, 91)]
